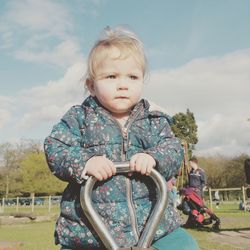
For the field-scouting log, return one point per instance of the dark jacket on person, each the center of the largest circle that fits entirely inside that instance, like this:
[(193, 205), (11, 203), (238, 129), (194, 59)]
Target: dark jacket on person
[(124, 203), (197, 180)]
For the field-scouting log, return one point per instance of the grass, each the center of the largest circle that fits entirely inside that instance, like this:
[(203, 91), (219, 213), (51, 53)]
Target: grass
[(39, 210), (39, 236), (34, 236)]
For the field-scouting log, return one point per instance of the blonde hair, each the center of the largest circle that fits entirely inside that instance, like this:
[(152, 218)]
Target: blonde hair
[(124, 40)]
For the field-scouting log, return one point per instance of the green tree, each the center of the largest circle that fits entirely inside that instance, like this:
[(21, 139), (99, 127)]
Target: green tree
[(23, 169), (224, 172), (184, 126), (35, 176), (215, 168), (235, 173)]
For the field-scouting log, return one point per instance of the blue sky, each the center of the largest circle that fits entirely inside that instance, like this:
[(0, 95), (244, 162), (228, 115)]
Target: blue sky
[(198, 52)]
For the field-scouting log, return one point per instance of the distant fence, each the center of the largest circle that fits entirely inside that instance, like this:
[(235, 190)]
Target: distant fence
[(228, 194), (33, 202), (48, 202)]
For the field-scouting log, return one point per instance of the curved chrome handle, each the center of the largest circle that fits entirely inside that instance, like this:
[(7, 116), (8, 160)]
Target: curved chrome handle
[(153, 221)]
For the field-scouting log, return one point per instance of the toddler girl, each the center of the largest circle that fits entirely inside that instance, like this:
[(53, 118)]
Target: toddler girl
[(112, 125)]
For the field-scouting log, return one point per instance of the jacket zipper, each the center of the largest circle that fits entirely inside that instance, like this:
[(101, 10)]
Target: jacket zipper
[(131, 207)]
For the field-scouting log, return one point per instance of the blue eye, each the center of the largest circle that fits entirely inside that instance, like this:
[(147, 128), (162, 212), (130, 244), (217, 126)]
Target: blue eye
[(133, 77), (111, 77)]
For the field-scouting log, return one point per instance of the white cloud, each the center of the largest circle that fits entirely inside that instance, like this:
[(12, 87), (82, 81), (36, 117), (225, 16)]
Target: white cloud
[(39, 31), (6, 38), (217, 90), (204, 85), (5, 110), (224, 134), (33, 111), (49, 102), (5, 117), (64, 54), (39, 15)]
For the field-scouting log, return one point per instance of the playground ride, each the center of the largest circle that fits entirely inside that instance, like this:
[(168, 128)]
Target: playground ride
[(153, 221)]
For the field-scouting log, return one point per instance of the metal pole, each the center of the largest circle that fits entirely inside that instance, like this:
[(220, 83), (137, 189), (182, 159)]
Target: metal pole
[(100, 228), (244, 198), (155, 217), (49, 203), (210, 198)]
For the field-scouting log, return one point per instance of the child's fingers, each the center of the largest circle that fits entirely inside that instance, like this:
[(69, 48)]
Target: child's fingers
[(98, 176), (132, 163), (150, 165), (108, 170), (140, 164), (103, 173), (136, 162), (112, 167), (144, 164), (149, 168), (144, 167)]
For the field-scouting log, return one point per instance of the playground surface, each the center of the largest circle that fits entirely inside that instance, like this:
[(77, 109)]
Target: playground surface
[(229, 235), (239, 239)]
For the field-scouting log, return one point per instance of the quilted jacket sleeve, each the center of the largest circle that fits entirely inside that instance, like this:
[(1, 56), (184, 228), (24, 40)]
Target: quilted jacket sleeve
[(169, 152), (65, 156)]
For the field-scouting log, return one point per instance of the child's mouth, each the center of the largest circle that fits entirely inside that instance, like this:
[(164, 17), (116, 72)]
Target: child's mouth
[(121, 97)]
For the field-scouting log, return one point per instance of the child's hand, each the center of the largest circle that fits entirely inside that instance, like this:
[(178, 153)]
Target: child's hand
[(100, 167), (142, 163)]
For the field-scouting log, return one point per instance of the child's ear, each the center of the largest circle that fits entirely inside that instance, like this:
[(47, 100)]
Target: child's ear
[(90, 85)]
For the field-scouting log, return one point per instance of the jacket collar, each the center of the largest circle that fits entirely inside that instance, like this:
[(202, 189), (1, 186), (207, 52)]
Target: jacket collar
[(142, 106)]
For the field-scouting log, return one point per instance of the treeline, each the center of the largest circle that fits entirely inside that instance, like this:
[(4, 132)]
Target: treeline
[(24, 171), (224, 172), (23, 168)]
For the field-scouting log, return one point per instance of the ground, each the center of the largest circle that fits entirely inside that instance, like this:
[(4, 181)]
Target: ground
[(5, 245), (231, 236), (239, 239)]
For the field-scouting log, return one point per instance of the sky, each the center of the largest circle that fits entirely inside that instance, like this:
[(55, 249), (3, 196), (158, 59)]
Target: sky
[(198, 53)]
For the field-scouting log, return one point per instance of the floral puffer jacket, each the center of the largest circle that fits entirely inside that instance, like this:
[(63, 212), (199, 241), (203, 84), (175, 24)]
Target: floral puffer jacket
[(123, 202)]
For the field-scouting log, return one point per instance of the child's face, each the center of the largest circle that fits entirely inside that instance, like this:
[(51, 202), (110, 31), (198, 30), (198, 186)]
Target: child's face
[(118, 83)]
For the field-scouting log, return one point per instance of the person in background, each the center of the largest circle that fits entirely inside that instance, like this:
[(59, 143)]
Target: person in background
[(196, 177), (217, 198)]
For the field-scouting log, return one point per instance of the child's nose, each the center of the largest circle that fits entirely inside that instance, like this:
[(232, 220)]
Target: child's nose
[(122, 85)]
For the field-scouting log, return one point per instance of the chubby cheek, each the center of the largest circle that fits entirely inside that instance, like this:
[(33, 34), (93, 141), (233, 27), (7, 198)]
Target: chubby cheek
[(137, 93), (105, 94)]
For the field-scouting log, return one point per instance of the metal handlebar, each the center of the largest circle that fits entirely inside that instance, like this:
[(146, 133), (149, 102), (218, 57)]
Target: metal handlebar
[(153, 221)]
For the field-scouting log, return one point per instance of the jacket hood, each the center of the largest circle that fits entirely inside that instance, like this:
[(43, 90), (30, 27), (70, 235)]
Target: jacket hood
[(143, 105)]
